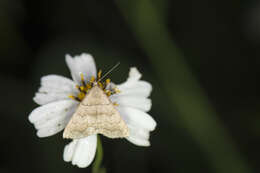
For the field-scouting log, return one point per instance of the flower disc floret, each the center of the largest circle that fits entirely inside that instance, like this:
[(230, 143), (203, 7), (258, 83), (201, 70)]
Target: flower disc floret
[(85, 87)]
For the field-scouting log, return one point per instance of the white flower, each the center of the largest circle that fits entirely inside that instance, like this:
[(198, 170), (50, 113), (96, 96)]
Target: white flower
[(60, 96)]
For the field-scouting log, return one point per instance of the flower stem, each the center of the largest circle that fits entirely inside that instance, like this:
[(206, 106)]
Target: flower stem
[(96, 168)]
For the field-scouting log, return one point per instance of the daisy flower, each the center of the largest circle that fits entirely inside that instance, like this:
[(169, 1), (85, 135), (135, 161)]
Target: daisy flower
[(87, 106)]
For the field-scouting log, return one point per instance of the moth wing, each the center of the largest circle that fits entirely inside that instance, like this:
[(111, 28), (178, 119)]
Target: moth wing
[(96, 115)]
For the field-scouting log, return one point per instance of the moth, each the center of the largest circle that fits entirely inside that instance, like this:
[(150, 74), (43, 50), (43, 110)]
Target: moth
[(96, 114)]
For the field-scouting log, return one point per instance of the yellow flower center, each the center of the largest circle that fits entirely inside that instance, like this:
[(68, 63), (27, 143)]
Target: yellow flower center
[(84, 87)]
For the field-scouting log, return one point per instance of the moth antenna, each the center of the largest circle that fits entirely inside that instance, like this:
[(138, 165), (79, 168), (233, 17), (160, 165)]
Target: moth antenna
[(109, 71)]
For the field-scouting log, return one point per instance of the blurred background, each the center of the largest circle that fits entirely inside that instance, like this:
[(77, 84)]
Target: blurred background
[(202, 58)]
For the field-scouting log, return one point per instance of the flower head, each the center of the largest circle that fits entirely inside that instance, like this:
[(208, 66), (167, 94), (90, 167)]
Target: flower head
[(68, 104)]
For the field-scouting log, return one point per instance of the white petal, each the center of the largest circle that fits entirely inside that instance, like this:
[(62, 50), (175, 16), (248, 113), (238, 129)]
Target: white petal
[(138, 141), (134, 74), (69, 150), (81, 152), (51, 118), (57, 82), (137, 118), (138, 136), (139, 132), (142, 103), (138, 88), (134, 86), (52, 130), (139, 123), (84, 64), (53, 88)]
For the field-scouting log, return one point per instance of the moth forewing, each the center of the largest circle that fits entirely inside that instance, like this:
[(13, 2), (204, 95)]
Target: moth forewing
[(96, 114)]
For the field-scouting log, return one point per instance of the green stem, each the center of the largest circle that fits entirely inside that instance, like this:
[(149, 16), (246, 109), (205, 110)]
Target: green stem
[(96, 167), (196, 113)]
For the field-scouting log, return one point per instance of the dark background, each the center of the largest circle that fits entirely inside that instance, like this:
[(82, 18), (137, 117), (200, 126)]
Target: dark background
[(218, 41)]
